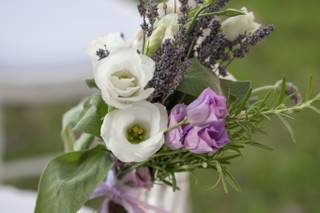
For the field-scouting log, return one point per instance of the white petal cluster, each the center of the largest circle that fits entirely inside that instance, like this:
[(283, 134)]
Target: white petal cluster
[(235, 26), (152, 117), (112, 42), (123, 75)]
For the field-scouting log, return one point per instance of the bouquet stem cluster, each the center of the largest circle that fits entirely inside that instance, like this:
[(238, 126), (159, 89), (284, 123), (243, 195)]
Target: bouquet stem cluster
[(166, 103)]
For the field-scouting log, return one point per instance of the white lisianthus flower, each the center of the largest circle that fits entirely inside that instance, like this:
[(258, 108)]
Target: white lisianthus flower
[(123, 76), (235, 26), (136, 133), (111, 42)]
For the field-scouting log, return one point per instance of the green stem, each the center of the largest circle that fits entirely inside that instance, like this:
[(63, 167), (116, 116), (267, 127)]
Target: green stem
[(289, 109), (227, 12), (183, 122), (194, 18), (264, 88)]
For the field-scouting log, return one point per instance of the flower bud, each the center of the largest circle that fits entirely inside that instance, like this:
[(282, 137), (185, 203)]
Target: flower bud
[(239, 25), (166, 28)]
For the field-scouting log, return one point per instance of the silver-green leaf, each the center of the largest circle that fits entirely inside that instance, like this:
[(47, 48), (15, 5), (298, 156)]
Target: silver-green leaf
[(69, 179)]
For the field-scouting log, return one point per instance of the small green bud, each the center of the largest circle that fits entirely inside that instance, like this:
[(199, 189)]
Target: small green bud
[(155, 40), (166, 28)]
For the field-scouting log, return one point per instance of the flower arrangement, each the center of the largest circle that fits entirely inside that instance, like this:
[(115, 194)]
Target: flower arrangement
[(165, 103)]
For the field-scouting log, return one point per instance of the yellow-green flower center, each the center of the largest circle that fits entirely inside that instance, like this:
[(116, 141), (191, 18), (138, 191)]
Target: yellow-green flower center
[(136, 133)]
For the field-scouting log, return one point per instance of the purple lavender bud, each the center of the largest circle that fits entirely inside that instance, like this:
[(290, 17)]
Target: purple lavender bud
[(139, 178), (174, 138), (207, 139), (207, 108)]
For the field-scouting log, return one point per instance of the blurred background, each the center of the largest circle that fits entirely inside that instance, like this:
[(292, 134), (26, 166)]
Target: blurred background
[(43, 65)]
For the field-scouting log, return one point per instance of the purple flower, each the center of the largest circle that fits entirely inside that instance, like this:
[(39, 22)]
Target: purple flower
[(118, 195), (138, 178), (174, 138), (207, 139), (207, 108)]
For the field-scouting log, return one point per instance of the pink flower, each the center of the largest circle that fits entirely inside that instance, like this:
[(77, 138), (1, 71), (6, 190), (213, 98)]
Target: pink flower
[(206, 131), (174, 138), (207, 139), (207, 108)]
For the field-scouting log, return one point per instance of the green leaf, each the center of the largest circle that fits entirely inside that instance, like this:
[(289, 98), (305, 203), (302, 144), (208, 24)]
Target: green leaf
[(243, 102), (91, 120), (91, 83), (309, 90), (236, 90), (198, 78), (232, 181), (260, 145), (315, 109), (70, 119), (69, 179), (283, 89), (174, 99), (288, 127), (83, 142), (221, 174)]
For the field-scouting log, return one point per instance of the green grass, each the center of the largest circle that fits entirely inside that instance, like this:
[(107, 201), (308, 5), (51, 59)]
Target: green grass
[(285, 180)]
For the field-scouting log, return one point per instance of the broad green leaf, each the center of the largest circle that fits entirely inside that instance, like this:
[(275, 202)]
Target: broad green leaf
[(198, 78), (91, 120), (69, 179), (243, 102), (174, 99), (236, 90), (70, 119), (83, 142)]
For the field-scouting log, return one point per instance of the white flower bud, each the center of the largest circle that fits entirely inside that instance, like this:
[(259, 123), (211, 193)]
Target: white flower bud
[(235, 26)]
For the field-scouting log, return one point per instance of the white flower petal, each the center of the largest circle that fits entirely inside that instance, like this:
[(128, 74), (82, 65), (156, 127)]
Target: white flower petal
[(152, 116), (123, 76), (113, 42), (235, 26), (142, 95), (125, 86), (148, 68)]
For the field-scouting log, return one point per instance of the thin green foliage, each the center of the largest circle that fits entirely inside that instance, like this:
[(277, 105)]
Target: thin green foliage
[(245, 118)]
